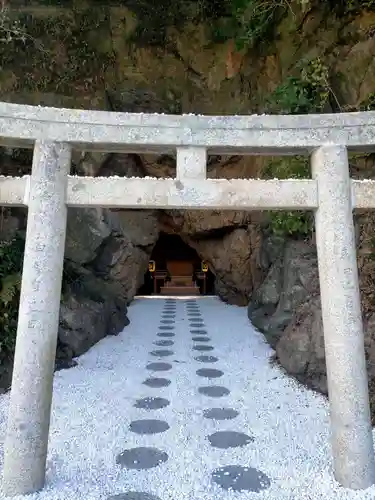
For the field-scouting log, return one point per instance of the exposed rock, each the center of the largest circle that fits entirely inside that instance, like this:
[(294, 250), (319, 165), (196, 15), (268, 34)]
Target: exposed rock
[(287, 307), (123, 258), (206, 223), (291, 278), (91, 309), (123, 165), (87, 228), (114, 248), (139, 226), (300, 349), (234, 261), (10, 224), (122, 262)]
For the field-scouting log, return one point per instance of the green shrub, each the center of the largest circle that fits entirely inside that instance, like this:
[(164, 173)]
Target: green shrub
[(307, 92), (249, 22), (296, 224), (11, 259), (368, 104)]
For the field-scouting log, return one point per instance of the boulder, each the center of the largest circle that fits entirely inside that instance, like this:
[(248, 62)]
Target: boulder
[(106, 254), (206, 223), (234, 259), (291, 278), (91, 309), (122, 262), (86, 230), (300, 350), (123, 258)]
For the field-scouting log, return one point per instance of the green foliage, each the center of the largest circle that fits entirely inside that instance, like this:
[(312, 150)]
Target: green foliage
[(11, 258), (76, 39), (355, 5), (368, 104), (250, 21), (293, 167), (10, 29), (293, 224), (296, 224), (308, 92)]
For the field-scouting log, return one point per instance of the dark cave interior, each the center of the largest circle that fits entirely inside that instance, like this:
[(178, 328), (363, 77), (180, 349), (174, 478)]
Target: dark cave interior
[(171, 247)]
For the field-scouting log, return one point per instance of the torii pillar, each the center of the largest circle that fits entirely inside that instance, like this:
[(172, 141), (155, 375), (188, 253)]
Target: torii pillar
[(31, 395)]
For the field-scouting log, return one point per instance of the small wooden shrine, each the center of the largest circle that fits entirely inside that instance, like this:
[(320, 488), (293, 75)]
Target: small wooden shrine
[(179, 278)]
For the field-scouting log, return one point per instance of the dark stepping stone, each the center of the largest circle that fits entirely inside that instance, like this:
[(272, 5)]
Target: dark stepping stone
[(221, 413), (141, 458), (168, 316), (201, 339), (157, 382), (207, 359), (148, 426), (167, 321), (203, 348), (194, 314), (165, 334), (164, 343), (159, 367), (198, 332), (151, 403), (161, 353), (214, 391), (229, 439), (196, 325), (134, 495), (166, 327), (237, 478), (209, 373)]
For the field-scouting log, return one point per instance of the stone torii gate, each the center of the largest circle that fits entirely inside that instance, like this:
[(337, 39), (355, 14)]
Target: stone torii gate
[(49, 190)]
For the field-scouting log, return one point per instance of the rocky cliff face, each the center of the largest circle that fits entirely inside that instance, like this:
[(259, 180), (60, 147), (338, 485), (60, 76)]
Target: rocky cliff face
[(286, 307), (167, 57)]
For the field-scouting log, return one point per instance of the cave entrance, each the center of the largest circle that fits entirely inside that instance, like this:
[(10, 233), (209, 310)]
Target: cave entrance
[(176, 269)]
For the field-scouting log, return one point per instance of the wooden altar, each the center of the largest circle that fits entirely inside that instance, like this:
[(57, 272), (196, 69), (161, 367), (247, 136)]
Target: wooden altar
[(179, 279)]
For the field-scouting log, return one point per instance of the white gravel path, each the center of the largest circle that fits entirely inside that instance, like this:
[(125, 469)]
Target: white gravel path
[(93, 407)]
